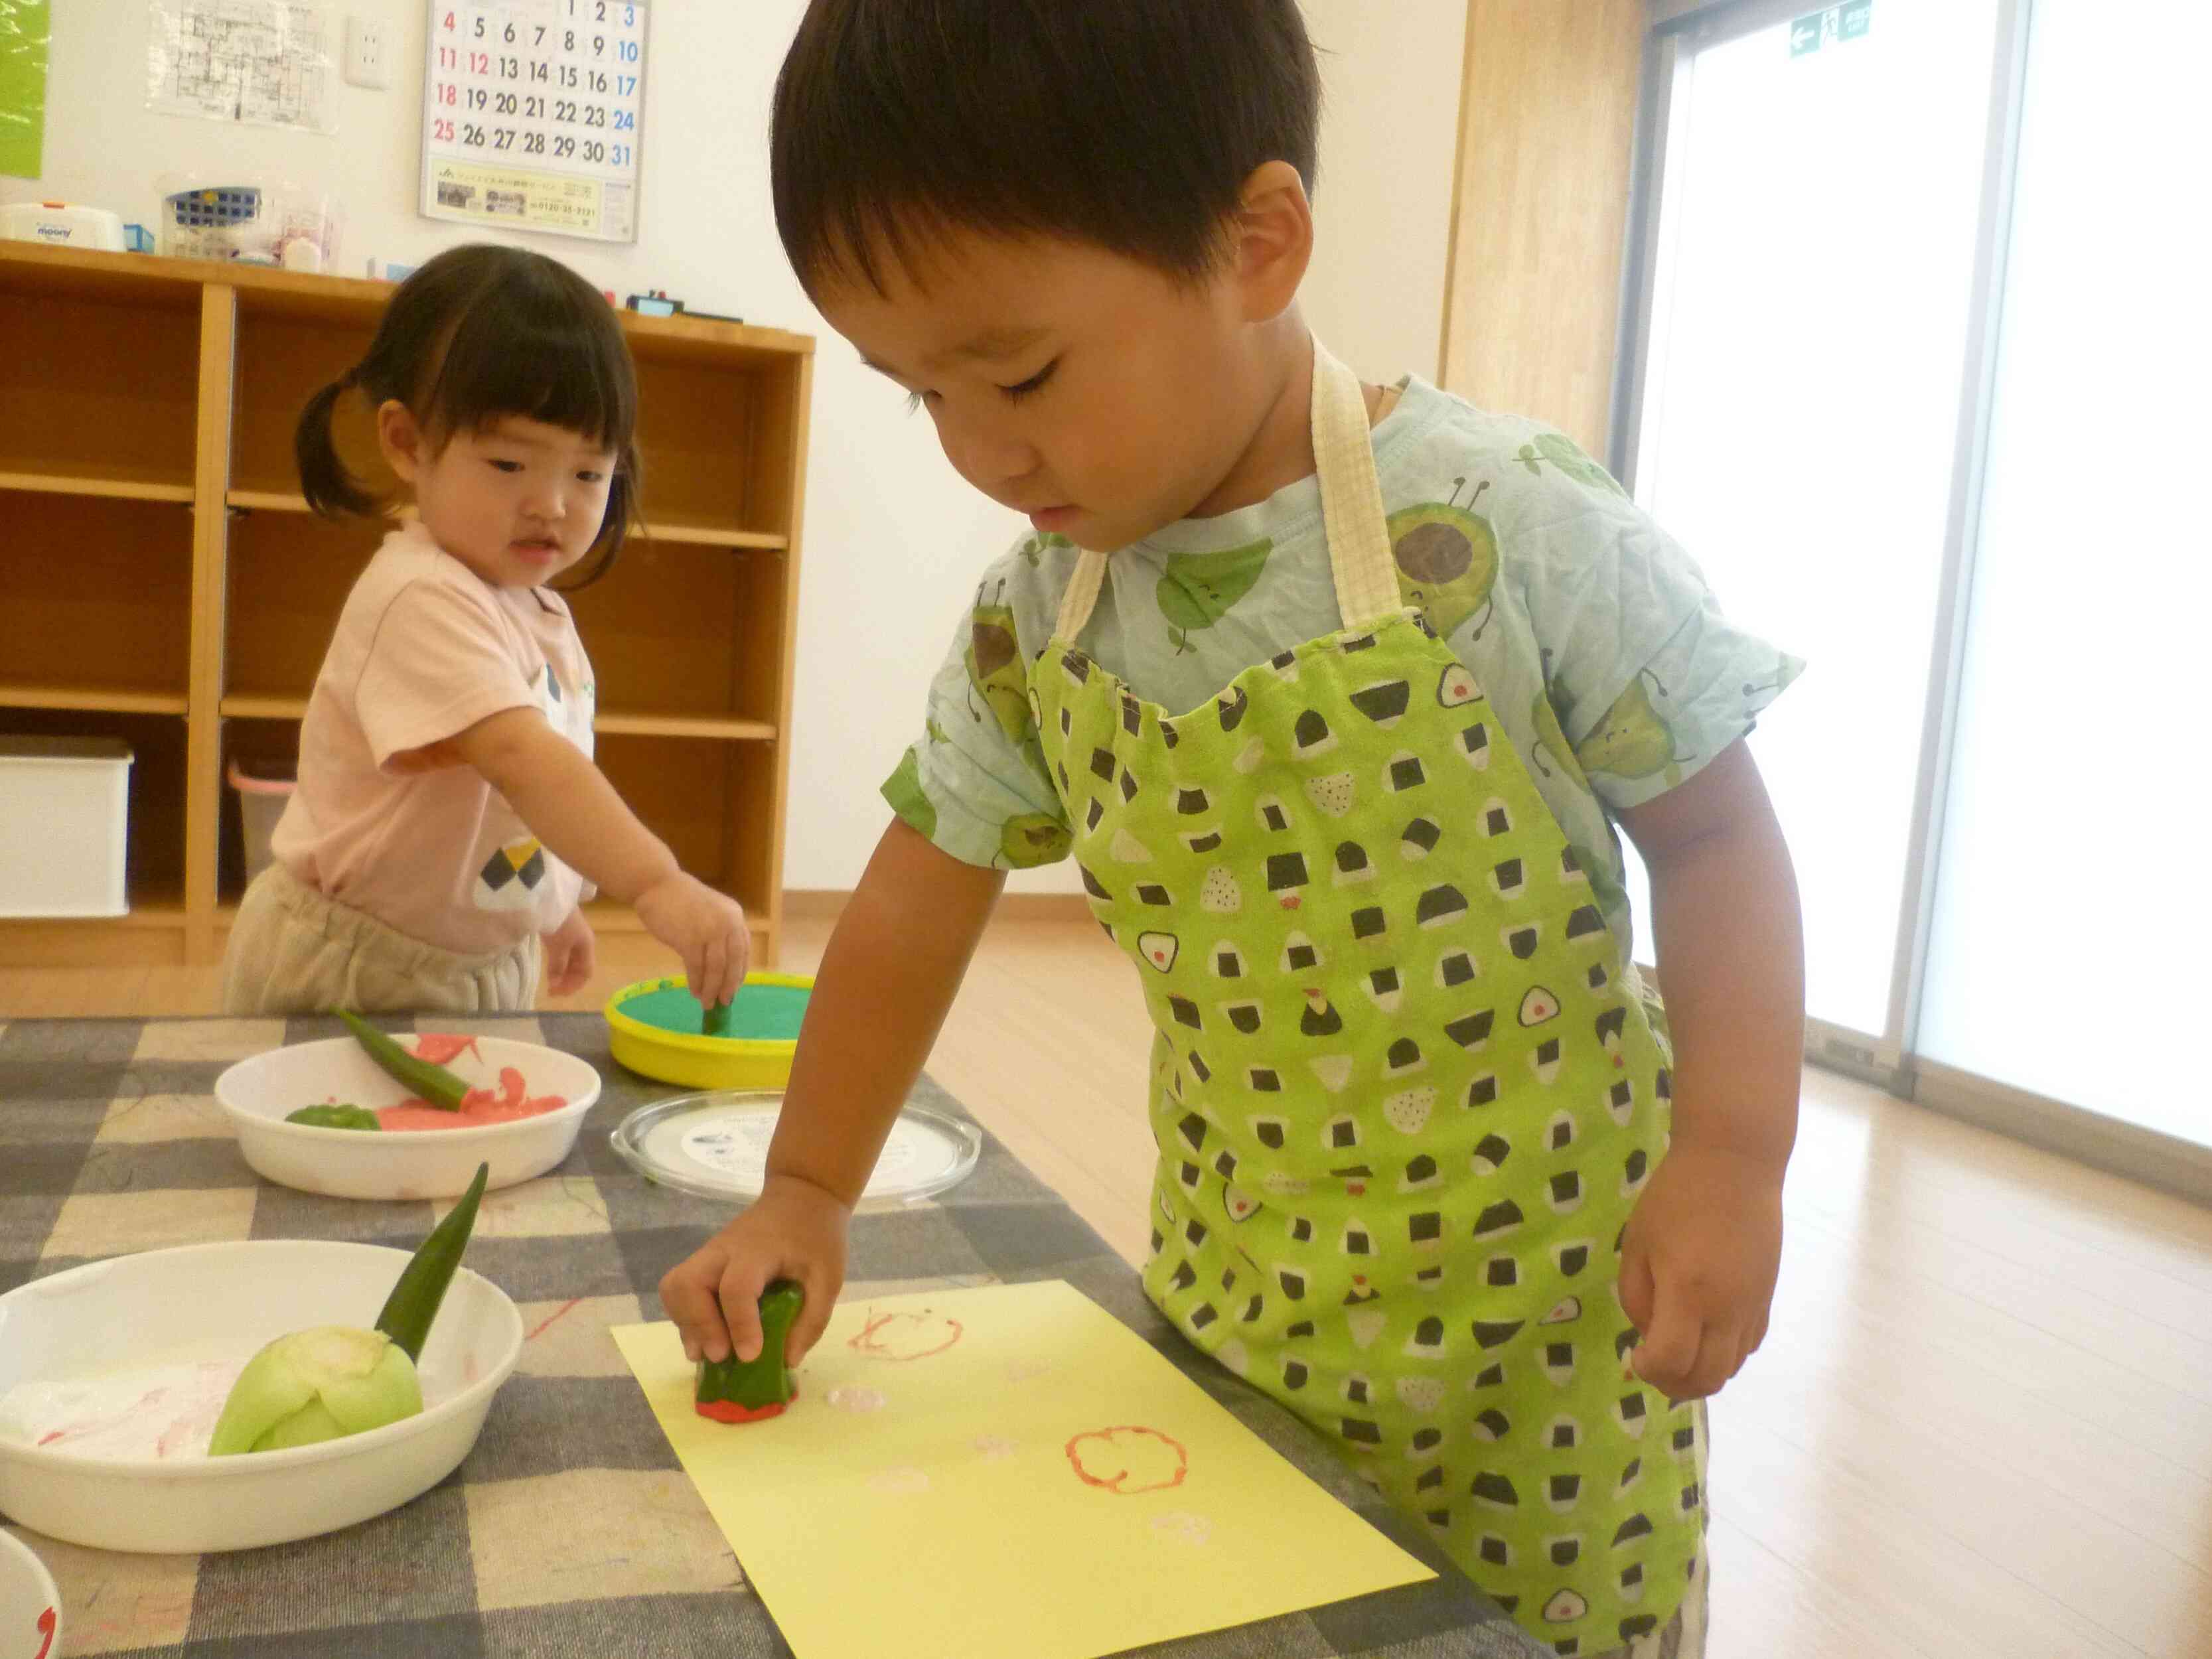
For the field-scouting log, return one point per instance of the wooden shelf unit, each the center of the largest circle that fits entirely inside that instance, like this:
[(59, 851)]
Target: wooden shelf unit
[(162, 580)]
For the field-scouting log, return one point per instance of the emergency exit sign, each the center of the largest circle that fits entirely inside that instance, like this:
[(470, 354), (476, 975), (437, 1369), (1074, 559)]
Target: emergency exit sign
[(1816, 29)]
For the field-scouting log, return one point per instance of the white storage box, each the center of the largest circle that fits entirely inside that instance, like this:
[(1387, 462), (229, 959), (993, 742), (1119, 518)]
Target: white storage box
[(64, 821)]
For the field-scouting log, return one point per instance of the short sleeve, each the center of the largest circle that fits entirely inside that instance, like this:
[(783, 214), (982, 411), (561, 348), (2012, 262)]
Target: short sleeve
[(439, 663), (1649, 678), (976, 785)]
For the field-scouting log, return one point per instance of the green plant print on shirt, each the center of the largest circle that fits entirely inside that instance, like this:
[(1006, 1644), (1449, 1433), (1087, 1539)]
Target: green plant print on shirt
[(1029, 839), (1196, 590), (1038, 545), (907, 798), (1632, 740), (994, 666), (1447, 558), (1553, 750), (1562, 453)]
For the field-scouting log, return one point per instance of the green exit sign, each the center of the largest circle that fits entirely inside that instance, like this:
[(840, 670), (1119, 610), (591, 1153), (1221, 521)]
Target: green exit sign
[(1816, 29)]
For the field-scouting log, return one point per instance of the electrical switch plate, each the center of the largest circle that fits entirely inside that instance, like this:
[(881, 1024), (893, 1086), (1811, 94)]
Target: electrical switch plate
[(368, 52)]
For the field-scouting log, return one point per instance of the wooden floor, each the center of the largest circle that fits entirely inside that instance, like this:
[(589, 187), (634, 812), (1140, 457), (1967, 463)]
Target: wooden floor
[(1982, 1424)]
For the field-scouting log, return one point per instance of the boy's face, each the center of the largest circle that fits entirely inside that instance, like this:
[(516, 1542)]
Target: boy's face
[(1091, 392)]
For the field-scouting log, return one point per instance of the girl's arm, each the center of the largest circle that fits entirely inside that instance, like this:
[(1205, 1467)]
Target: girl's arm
[(1698, 1266), (885, 983), (569, 806)]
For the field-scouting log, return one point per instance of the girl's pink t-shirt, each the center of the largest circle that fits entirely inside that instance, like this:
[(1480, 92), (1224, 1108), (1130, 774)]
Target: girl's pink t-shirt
[(382, 821)]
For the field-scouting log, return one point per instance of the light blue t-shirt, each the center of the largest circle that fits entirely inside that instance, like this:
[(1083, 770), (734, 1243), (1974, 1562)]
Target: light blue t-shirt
[(1605, 654)]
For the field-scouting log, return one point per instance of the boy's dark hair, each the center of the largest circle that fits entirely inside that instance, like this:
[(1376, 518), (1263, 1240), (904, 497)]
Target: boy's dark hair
[(476, 333), (1132, 124)]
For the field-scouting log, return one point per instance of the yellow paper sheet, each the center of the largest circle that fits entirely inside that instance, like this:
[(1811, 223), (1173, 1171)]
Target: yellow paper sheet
[(1007, 1472)]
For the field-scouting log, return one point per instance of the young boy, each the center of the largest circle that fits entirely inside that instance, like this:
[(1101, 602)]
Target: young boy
[(1336, 694)]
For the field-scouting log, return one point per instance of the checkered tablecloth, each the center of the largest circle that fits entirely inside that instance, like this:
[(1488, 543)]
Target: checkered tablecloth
[(569, 1530)]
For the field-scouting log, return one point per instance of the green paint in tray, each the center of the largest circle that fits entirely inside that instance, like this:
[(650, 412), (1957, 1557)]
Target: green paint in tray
[(762, 1013)]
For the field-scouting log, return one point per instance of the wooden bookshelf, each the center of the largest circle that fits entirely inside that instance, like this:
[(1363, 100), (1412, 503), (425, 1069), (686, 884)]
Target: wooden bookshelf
[(163, 581)]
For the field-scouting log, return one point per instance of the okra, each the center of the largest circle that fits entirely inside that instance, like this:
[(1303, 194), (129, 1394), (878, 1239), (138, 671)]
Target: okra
[(414, 1301), (432, 1083)]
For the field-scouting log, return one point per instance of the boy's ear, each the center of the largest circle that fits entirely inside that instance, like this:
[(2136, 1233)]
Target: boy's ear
[(1272, 235), (400, 438)]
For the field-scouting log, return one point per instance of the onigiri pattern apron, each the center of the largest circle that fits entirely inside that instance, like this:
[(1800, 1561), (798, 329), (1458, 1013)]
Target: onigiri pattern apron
[(1405, 1093)]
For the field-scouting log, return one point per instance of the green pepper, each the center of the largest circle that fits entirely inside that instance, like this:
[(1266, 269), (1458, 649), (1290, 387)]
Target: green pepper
[(735, 1390), (432, 1083), (335, 1117), (715, 1021), (413, 1303)]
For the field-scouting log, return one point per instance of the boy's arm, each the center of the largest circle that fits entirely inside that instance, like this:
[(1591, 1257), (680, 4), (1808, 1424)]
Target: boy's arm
[(1704, 1247), (886, 982)]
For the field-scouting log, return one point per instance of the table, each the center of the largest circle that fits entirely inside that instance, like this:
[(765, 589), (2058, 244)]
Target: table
[(570, 1530)]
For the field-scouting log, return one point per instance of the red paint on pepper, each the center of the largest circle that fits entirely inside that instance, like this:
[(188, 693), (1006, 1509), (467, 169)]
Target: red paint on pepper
[(728, 1411)]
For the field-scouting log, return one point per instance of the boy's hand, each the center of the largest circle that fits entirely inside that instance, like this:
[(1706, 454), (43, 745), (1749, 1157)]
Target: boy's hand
[(794, 1230), (570, 955), (1697, 1267), (706, 928)]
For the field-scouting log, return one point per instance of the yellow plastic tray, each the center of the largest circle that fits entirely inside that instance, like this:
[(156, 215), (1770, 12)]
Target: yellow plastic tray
[(696, 1061)]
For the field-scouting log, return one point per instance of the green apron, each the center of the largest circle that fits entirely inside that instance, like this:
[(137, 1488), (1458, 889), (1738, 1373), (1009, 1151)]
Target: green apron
[(1405, 1090)]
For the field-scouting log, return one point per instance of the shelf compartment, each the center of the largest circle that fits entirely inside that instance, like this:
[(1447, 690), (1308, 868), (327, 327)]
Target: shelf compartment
[(290, 576), (95, 603), (710, 805), (284, 359), (687, 634), (697, 425), (154, 857), (98, 391)]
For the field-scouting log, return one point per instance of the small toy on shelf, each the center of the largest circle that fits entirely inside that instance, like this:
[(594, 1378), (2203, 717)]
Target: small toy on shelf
[(656, 302)]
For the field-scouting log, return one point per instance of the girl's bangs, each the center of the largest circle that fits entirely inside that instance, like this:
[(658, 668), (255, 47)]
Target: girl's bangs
[(545, 355)]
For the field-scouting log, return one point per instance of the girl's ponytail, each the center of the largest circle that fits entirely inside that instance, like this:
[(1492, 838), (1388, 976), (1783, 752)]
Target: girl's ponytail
[(330, 489)]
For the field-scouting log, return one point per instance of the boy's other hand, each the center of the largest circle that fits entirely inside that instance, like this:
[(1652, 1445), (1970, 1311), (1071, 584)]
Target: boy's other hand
[(706, 928), (571, 956), (1697, 1267), (794, 1230)]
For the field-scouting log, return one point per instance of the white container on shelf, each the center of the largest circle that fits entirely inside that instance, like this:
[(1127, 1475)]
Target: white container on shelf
[(62, 224), (65, 822)]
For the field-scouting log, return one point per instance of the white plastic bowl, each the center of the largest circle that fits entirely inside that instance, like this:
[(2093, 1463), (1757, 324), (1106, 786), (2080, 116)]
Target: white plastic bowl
[(257, 1094), (131, 1312), (30, 1606)]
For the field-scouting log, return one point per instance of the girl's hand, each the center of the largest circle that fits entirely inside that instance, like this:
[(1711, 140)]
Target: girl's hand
[(1697, 1267), (706, 928), (794, 1230), (571, 957)]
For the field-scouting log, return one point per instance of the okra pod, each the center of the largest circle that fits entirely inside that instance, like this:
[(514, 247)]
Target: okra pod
[(414, 1301), (432, 1083)]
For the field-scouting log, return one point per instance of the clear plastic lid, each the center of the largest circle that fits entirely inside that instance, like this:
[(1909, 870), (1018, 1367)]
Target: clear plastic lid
[(715, 1146)]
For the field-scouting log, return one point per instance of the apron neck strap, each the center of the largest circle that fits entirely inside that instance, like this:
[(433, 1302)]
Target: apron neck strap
[(1350, 505), (1350, 496)]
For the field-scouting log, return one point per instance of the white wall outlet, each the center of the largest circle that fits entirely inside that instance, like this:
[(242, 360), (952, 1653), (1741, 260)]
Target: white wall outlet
[(368, 52)]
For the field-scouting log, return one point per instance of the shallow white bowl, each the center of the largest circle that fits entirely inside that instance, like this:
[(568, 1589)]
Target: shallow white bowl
[(128, 1313), (257, 1094), (30, 1606)]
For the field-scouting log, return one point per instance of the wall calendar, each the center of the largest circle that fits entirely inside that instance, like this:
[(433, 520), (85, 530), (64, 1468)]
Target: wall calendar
[(532, 111)]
